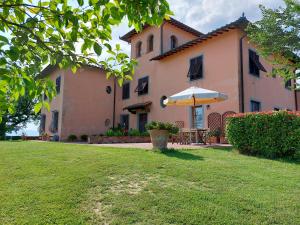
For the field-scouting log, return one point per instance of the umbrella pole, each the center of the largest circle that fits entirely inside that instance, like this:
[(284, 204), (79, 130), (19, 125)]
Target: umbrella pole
[(194, 119)]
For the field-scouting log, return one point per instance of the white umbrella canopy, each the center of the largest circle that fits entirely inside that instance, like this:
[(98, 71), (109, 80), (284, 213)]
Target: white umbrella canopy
[(195, 96)]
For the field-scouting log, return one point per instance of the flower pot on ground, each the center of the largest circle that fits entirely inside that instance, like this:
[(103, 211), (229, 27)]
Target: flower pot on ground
[(223, 140), (160, 132), (215, 136)]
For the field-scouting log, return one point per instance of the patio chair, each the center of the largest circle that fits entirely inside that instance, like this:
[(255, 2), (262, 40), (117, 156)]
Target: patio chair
[(180, 137)]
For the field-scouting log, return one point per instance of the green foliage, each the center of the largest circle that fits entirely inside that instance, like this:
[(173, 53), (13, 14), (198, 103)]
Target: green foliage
[(274, 134), (215, 133), (114, 133), (34, 34), (22, 113), (133, 132), (136, 133), (278, 34), (84, 137), (72, 137), (162, 126), (56, 183)]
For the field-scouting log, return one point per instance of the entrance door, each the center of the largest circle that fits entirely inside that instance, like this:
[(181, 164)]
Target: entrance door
[(198, 116), (124, 121), (142, 121)]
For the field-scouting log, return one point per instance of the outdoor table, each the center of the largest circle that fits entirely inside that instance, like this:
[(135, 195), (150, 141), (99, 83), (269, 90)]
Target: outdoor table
[(197, 132)]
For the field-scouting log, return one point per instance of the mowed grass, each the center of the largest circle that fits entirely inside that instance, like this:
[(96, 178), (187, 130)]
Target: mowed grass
[(55, 183)]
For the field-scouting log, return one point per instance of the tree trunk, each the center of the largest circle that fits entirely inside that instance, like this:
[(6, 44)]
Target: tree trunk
[(2, 130)]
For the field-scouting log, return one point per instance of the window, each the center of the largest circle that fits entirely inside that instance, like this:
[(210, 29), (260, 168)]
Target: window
[(139, 49), (142, 87), (54, 123), (126, 91), (108, 89), (142, 121), (276, 109), (124, 121), (197, 117), (288, 84), (196, 68), (43, 123), (255, 106), (173, 42), (150, 43), (57, 84), (162, 99), (254, 64)]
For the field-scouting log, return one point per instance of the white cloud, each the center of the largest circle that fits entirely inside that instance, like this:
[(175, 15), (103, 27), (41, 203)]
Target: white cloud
[(206, 15)]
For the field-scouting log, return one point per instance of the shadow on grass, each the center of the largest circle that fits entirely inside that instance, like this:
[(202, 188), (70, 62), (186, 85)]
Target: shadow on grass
[(223, 148), (180, 154)]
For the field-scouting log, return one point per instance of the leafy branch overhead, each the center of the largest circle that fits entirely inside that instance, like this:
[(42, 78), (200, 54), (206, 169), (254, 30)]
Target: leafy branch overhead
[(34, 34), (278, 34)]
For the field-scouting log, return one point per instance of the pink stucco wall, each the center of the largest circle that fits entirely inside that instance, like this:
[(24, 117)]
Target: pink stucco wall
[(56, 104), (271, 92), (169, 76), (83, 103), (221, 73)]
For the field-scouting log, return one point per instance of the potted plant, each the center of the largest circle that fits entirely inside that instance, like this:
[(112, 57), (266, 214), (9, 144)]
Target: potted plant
[(214, 136), (160, 132)]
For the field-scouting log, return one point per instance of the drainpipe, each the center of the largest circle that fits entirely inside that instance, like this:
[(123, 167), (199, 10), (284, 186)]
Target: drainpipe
[(114, 104), (241, 85), (161, 38), (296, 99)]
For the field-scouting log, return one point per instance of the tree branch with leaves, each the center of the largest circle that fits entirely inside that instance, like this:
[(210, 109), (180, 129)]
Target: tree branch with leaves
[(35, 33), (277, 35)]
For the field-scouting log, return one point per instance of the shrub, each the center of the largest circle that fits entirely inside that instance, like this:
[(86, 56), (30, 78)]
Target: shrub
[(72, 137), (215, 133), (162, 126), (268, 134), (114, 133), (134, 132), (84, 137)]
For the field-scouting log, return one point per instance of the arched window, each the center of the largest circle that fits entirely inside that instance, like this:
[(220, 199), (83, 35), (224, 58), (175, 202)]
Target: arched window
[(173, 42), (150, 43), (139, 49)]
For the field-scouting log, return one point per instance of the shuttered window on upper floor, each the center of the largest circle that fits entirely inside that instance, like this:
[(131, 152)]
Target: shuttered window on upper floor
[(143, 85), (57, 84), (126, 91), (196, 68), (255, 65)]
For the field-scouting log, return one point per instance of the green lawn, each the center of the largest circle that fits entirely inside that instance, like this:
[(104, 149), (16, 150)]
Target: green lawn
[(53, 183)]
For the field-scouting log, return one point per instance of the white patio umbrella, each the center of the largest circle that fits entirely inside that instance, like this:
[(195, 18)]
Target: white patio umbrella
[(195, 96)]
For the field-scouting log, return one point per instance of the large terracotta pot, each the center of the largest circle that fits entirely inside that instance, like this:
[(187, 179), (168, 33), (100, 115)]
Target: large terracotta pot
[(159, 138)]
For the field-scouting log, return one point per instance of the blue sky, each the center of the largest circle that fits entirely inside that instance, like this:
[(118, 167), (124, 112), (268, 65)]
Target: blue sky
[(203, 15)]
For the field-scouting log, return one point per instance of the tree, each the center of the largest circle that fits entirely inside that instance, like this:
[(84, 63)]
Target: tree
[(277, 34), (24, 113), (35, 33)]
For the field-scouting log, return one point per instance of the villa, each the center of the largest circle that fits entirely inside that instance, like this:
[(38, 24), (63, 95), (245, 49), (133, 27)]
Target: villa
[(170, 58)]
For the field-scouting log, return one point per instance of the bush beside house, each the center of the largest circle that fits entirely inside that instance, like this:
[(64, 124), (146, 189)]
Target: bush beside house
[(267, 134)]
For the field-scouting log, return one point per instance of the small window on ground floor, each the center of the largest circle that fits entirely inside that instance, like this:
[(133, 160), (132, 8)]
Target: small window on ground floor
[(54, 122), (255, 106), (124, 121), (142, 121), (43, 123)]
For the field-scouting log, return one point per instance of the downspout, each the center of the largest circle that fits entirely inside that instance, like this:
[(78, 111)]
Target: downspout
[(162, 38), (241, 83), (114, 104), (296, 99)]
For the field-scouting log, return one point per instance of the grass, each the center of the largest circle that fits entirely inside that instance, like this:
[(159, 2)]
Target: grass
[(53, 183)]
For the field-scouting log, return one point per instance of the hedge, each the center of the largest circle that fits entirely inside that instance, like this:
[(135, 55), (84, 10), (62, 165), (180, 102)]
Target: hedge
[(267, 134)]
